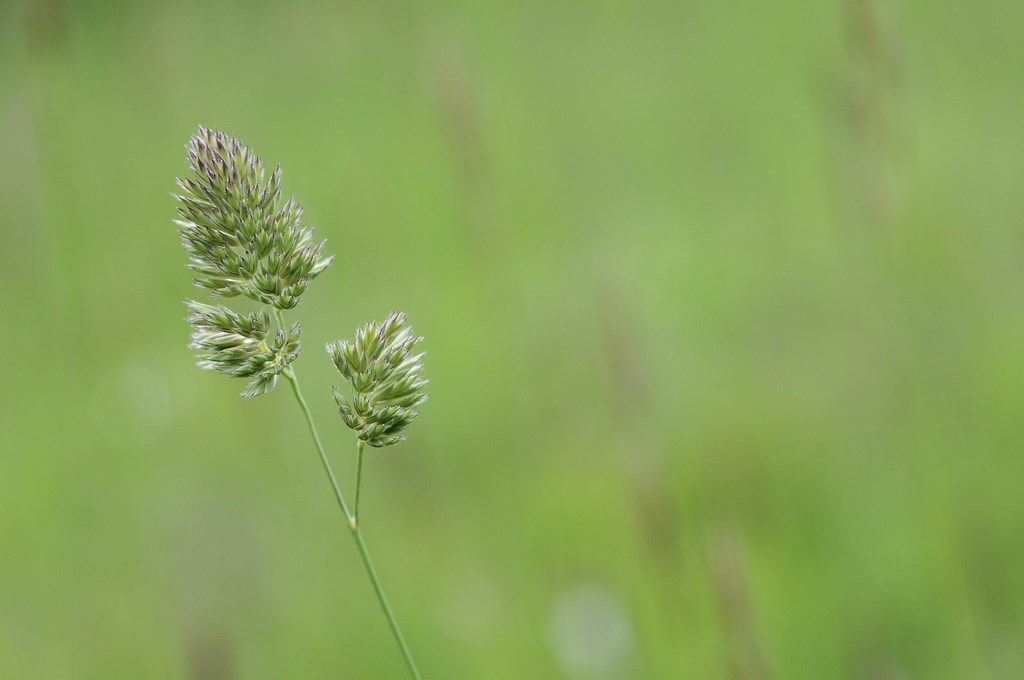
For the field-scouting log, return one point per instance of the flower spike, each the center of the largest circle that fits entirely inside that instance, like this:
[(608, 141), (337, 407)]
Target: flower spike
[(243, 239), (386, 379)]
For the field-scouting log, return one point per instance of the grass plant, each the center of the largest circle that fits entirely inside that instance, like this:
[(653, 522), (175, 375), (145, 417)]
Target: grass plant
[(244, 240)]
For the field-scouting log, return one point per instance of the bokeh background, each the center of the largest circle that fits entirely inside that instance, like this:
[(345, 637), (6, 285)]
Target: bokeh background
[(724, 305)]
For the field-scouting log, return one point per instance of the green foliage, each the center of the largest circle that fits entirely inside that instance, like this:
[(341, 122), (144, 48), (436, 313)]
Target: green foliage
[(702, 269)]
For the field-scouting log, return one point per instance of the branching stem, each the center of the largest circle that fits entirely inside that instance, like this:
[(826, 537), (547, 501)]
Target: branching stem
[(353, 523)]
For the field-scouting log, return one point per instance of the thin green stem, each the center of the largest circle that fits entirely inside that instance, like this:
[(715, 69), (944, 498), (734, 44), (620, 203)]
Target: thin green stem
[(359, 474), (392, 621), (290, 374), (353, 523)]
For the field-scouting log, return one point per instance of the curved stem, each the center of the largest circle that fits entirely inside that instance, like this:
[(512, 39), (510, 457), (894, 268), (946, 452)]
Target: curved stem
[(353, 524), (359, 474)]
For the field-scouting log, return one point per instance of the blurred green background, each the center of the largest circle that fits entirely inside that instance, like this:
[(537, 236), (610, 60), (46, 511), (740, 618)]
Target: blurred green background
[(724, 305)]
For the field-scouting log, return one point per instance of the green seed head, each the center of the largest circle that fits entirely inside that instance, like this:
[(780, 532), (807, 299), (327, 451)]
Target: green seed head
[(236, 345), (242, 238), (386, 379)]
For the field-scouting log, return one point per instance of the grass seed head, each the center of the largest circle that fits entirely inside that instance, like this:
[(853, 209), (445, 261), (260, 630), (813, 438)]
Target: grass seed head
[(386, 379), (244, 239), (241, 236), (237, 345)]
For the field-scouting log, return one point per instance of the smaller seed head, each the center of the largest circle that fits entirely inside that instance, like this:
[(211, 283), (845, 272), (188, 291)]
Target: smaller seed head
[(386, 379), (236, 345)]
